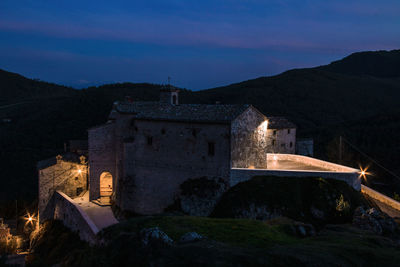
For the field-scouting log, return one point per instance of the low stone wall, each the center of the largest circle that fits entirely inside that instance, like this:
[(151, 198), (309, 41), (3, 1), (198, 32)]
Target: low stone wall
[(380, 197), (311, 161), (240, 175), (61, 207)]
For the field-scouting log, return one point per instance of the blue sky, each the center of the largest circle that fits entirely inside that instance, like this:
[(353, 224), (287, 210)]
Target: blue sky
[(200, 44)]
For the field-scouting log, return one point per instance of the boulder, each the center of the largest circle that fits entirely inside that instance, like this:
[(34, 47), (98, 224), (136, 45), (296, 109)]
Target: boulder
[(191, 237), (151, 236), (303, 229), (374, 220)]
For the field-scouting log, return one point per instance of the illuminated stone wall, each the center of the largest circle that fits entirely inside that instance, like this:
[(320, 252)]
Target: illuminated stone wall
[(63, 176), (380, 197), (249, 142), (101, 156), (61, 207), (160, 155)]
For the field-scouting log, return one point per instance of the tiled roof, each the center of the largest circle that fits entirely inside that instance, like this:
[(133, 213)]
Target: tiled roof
[(280, 123), (183, 112), (68, 156)]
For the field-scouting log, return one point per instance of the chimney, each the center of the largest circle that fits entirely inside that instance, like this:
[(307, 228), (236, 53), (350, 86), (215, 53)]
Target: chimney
[(169, 95)]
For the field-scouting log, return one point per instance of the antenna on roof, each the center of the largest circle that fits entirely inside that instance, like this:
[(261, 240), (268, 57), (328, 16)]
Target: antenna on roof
[(169, 82)]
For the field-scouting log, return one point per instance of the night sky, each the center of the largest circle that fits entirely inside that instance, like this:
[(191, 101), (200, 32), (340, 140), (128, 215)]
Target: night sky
[(200, 44)]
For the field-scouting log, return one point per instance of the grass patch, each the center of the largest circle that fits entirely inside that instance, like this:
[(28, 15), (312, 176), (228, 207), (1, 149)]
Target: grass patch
[(239, 232)]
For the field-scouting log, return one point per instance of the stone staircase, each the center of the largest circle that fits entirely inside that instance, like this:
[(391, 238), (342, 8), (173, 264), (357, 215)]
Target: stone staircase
[(105, 196)]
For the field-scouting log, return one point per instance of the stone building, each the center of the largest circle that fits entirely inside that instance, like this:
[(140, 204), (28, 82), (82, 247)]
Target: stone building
[(139, 158), (67, 173), (282, 135)]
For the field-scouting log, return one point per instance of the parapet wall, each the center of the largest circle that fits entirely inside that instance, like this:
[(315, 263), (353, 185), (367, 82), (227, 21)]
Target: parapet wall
[(310, 161), (61, 207), (239, 175), (380, 197), (337, 172)]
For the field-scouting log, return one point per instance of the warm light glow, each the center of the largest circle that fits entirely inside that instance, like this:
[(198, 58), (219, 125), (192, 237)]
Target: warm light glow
[(30, 218), (275, 158), (251, 167), (79, 171), (264, 126), (363, 173)]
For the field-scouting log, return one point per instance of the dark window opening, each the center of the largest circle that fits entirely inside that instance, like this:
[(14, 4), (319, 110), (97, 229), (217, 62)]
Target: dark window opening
[(211, 148), (288, 131), (291, 144), (273, 142), (79, 190), (283, 145), (149, 140), (174, 99), (194, 133), (132, 123), (162, 131), (274, 132)]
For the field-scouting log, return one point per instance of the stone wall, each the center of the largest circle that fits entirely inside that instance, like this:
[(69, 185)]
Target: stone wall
[(101, 156), (380, 197), (249, 141), (68, 177), (161, 155), (61, 207), (240, 175)]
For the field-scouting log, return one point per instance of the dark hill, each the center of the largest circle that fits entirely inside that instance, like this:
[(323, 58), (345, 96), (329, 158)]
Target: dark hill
[(384, 64), (15, 88), (313, 97)]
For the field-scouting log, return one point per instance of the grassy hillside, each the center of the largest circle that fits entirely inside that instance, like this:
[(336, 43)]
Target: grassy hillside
[(230, 242)]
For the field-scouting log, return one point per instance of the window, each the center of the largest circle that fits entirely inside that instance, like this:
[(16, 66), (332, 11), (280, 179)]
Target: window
[(194, 133), (283, 145), (288, 131), (149, 140), (291, 144), (174, 99), (211, 148), (273, 142), (274, 132), (162, 131)]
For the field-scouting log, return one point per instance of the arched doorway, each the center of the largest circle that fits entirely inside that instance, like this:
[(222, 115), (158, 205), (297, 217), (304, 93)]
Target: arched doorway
[(106, 188)]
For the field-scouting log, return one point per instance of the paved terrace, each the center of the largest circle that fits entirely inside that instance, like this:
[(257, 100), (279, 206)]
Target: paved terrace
[(292, 166), (102, 216)]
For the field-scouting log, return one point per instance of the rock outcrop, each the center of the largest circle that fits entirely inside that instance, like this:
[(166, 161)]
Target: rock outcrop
[(154, 236), (200, 196), (373, 220)]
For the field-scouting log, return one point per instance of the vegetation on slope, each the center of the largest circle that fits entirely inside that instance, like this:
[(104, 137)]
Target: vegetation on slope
[(313, 200), (229, 242)]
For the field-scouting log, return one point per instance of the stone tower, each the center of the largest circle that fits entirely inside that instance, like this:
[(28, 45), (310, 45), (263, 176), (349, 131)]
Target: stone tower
[(169, 95)]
